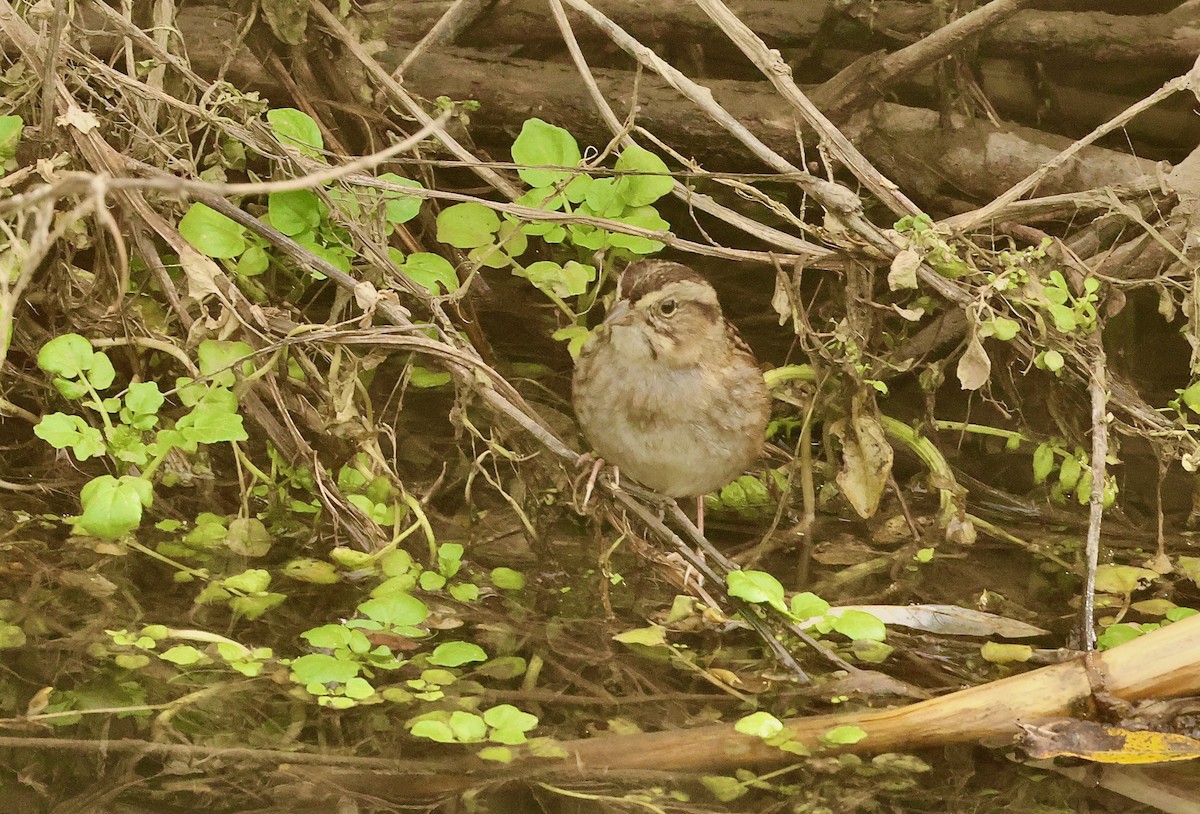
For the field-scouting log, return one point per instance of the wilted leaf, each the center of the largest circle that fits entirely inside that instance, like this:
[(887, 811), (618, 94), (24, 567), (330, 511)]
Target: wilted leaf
[(903, 273), (866, 462), (974, 367)]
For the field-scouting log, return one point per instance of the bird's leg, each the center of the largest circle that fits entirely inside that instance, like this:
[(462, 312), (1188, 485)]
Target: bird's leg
[(591, 481), (700, 515)]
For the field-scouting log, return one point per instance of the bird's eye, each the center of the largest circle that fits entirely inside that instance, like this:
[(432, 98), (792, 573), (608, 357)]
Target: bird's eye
[(667, 307)]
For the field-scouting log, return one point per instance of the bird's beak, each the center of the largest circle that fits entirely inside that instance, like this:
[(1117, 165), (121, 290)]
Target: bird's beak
[(620, 308)]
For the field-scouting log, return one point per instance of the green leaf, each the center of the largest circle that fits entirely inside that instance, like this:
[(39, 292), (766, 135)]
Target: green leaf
[(248, 536), (456, 654), (856, 624), (72, 391), (332, 254), (211, 233), (296, 129), (431, 581), (570, 280), (588, 237), (757, 587), (1190, 397), (11, 128), (1003, 328), (425, 378), (644, 217), (1043, 462), (872, 652), (400, 208), (113, 507), (295, 211), (396, 563), (319, 668), (496, 754), (252, 607), (1053, 361), (253, 262), (1069, 472), (506, 716), (1122, 579), (510, 242), (576, 336), (68, 355), (503, 668), (465, 591), (543, 198), (11, 636), (998, 653), (182, 655), (330, 637), (432, 271), (543, 144), (101, 375), (449, 558), (640, 190), (396, 608), (143, 398), (652, 636), (250, 581), (604, 198), (434, 731), (218, 359), (807, 605), (351, 557), (1064, 317), (506, 579), (358, 688), (210, 424), (467, 225), (760, 725), (843, 735), (467, 726), (1119, 634), (725, 789), (128, 661), (62, 431)]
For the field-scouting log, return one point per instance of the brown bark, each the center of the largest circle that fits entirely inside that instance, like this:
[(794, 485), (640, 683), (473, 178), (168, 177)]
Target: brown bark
[(1162, 664), (1085, 35), (907, 143)]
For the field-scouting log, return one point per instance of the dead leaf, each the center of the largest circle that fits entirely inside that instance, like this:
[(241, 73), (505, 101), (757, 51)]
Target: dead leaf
[(781, 300), (202, 273), (78, 118), (1105, 744), (974, 367), (866, 461), (910, 314), (948, 620), (903, 273), (366, 296)]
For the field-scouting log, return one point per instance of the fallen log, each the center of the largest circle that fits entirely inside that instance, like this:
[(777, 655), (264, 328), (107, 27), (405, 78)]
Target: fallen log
[(1161, 664), (1091, 36)]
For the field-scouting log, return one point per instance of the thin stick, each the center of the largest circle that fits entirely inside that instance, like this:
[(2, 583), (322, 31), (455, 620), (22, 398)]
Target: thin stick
[(50, 67), (688, 195), (772, 66), (987, 213), (1099, 393), (457, 18)]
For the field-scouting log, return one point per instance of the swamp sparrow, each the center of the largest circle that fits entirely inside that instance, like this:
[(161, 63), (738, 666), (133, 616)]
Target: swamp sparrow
[(665, 389)]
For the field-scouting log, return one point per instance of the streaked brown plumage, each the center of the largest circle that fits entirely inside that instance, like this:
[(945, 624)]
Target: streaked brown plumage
[(666, 390)]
